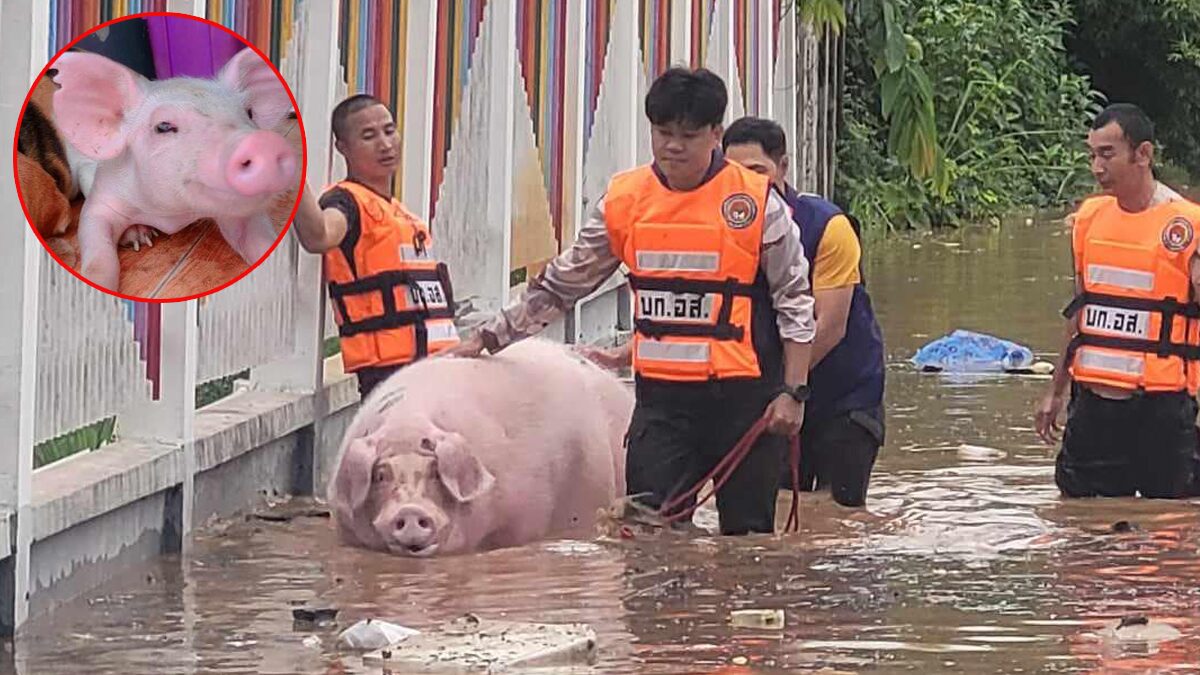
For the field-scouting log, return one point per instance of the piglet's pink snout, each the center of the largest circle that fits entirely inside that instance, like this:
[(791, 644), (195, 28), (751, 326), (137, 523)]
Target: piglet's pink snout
[(262, 162)]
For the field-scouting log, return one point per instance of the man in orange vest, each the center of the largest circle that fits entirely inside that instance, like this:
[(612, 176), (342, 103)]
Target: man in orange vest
[(723, 313), (392, 299), (1132, 343)]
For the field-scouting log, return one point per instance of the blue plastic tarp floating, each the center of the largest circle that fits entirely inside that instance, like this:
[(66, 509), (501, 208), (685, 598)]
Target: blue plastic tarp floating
[(964, 351)]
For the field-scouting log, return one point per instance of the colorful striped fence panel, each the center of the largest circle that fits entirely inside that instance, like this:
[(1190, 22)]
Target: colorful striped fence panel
[(458, 23), (599, 23), (654, 21), (266, 24), (373, 39), (71, 18), (541, 47)]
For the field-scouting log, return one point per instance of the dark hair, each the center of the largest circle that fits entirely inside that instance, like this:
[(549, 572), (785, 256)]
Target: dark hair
[(1134, 123), (695, 98), (347, 108), (766, 133)]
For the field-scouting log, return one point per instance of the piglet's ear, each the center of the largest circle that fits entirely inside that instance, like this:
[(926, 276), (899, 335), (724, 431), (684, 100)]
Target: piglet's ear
[(460, 472), (95, 96), (265, 95)]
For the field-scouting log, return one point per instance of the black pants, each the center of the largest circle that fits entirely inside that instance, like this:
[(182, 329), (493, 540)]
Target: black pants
[(839, 453), (1116, 448), (678, 433), (369, 378)]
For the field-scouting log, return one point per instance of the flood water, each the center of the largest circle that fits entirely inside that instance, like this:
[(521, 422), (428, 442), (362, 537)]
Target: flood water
[(962, 561)]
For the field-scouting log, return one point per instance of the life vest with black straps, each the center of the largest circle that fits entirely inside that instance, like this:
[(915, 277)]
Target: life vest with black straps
[(1138, 323), (392, 300), (693, 259)]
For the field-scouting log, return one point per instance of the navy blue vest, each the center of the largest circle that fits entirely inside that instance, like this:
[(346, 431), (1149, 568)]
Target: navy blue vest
[(851, 375)]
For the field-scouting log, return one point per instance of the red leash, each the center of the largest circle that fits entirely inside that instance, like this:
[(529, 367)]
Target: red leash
[(725, 468)]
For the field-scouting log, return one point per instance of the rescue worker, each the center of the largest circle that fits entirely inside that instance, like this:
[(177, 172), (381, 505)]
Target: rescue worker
[(1133, 329), (723, 318), (391, 298), (844, 420)]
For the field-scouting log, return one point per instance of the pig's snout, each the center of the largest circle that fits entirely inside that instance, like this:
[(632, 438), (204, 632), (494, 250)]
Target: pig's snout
[(415, 529), (262, 162)]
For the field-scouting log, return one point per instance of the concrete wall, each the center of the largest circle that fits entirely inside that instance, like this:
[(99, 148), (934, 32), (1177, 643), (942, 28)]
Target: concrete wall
[(96, 513)]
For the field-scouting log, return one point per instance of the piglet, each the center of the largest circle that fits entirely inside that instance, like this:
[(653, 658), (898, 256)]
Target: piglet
[(164, 154), (451, 456)]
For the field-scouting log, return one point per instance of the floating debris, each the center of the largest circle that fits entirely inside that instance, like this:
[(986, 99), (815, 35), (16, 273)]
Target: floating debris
[(474, 643), (1042, 368), (306, 617), (1122, 526), (757, 618), (374, 634), (1137, 634), (980, 453)]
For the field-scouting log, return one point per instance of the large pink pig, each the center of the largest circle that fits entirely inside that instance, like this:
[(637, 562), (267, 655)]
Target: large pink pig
[(457, 455), (164, 154)]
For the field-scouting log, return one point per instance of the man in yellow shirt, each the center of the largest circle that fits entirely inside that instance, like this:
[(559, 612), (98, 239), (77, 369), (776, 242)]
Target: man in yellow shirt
[(844, 425)]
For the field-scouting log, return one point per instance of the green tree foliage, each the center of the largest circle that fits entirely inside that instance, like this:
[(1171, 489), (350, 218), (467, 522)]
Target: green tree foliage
[(960, 110), (1147, 52)]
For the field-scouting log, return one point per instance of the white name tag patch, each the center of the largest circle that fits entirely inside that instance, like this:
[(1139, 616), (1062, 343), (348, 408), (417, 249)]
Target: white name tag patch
[(1129, 323), (428, 291), (668, 306)]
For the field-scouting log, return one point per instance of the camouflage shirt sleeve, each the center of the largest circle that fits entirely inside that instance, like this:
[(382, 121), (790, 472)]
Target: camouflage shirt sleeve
[(570, 276), (590, 262)]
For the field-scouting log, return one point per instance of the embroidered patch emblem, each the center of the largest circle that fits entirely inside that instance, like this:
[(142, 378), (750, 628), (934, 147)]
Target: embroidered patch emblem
[(739, 210), (1177, 234)]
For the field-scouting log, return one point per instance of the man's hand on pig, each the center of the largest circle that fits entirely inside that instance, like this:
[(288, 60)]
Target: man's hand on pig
[(613, 358), (468, 348)]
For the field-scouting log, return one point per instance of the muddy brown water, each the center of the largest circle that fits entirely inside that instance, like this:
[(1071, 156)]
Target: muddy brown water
[(956, 565)]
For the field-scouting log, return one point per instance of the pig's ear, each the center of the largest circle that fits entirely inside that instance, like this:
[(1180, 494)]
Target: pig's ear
[(461, 473), (352, 483), (91, 104), (265, 94)]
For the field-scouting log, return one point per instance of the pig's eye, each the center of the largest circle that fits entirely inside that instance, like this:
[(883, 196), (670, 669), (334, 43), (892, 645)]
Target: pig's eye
[(379, 475), (166, 127), (250, 113)]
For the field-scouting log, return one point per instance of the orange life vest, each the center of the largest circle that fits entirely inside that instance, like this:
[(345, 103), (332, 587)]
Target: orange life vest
[(693, 259), (392, 302), (1139, 326)]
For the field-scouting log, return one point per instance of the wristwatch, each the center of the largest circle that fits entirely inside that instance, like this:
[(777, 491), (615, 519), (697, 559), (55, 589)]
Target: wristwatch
[(800, 392)]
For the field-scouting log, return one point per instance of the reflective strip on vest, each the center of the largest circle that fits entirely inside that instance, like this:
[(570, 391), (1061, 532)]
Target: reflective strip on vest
[(440, 331), (675, 307), (678, 261), (1117, 322), (1113, 363), (1136, 280), (685, 352)]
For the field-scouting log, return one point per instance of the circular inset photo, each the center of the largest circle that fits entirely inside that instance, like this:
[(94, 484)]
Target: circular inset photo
[(159, 157)]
